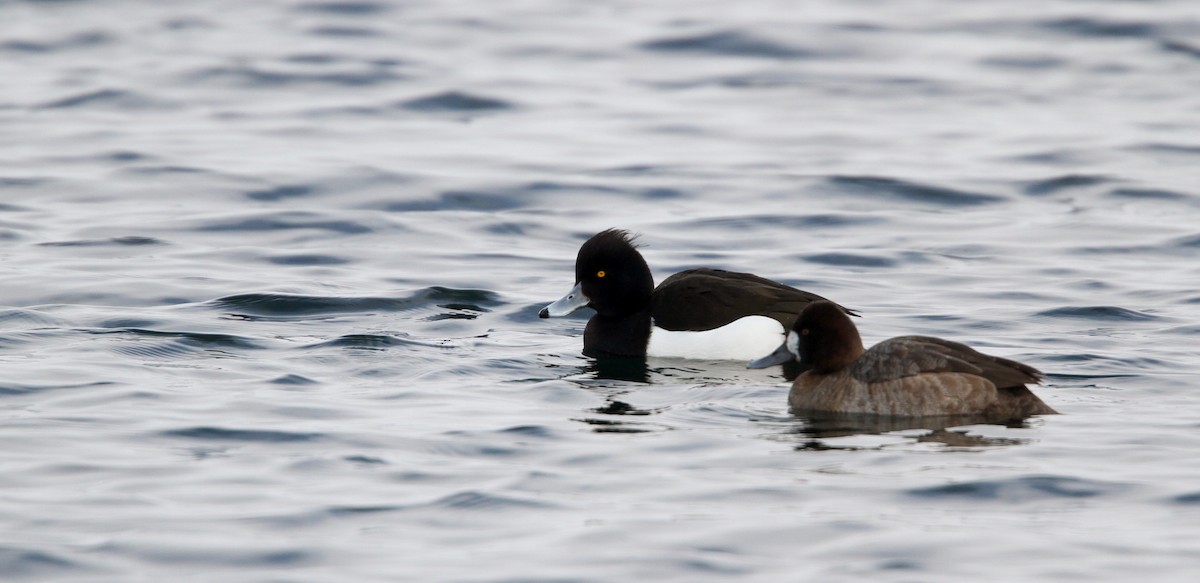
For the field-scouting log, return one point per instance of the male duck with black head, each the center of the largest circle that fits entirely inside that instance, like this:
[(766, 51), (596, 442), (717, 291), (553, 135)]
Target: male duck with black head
[(699, 313), (906, 376)]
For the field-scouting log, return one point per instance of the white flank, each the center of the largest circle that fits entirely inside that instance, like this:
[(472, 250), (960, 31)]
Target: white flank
[(744, 339)]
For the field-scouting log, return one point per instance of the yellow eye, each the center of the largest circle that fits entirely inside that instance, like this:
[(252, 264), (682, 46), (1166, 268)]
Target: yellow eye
[(804, 332), (600, 273)]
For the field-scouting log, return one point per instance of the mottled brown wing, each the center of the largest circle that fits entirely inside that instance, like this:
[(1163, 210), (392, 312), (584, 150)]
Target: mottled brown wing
[(910, 355), (703, 299)]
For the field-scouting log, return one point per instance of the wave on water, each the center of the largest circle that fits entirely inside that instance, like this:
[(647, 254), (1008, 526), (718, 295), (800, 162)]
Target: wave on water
[(360, 179), (146, 343), (345, 31), (203, 339), (293, 380), (1025, 62), (106, 98), (128, 241), (1022, 489), (1065, 182), (774, 221), (211, 433), (287, 220), (350, 8), (1105, 28), (851, 260), (231, 555), (475, 500), (279, 193), (375, 341), (455, 101), (20, 563), (25, 318), (1151, 194), (76, 41), (1189, 499), (459, 200), (877, 186), (729, 43), (298, 305), (261, 77), (1182, 48), (1098, 313), (307, 260), (23, 389), (1167, 148)]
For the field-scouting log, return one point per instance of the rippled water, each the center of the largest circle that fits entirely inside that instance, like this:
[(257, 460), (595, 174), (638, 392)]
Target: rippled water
[(271, 274)]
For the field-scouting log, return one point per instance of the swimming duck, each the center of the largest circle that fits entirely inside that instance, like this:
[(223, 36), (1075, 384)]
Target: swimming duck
[(906, 376), (698, 313)]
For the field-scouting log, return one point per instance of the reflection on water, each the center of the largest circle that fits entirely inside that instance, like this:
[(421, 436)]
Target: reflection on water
[(816, 431), (610, 377), (619, 369), (672, 370), (614, 424)]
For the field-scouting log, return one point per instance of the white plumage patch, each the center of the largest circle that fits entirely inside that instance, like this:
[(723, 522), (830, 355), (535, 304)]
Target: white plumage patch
[(744, 339), (793, 343)]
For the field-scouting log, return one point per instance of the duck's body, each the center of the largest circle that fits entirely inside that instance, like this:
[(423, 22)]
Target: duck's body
[(907, 376), (698, 313), (917, 376)]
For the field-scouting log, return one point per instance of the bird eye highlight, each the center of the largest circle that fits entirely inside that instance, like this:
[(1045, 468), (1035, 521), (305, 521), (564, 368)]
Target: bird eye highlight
[(601, 273)]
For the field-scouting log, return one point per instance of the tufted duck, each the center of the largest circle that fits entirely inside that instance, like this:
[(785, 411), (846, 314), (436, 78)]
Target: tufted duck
[(698, 313)]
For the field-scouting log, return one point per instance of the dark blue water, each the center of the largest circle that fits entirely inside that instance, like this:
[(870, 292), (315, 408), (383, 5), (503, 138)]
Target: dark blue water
[(270, 274)]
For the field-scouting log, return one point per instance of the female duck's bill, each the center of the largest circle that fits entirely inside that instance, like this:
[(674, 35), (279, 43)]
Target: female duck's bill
[(906, 376), (784, 353), (698, 313)]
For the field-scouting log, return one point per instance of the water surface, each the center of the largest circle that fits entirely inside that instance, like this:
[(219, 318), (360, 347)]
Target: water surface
[(270, 274)]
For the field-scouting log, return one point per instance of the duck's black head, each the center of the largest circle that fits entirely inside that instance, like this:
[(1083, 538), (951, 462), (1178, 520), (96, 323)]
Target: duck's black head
[(612, 274)]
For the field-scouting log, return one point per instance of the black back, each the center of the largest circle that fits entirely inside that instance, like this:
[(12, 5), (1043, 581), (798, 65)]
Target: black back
[(703, 299), (619, 286)]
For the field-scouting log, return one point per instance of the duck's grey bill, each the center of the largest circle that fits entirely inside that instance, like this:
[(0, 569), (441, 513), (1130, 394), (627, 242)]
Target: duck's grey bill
[(569, 303), (780, 356)]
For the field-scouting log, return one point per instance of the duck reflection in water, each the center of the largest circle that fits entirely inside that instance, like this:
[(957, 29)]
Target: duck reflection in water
[(631, 369), (817, 429)]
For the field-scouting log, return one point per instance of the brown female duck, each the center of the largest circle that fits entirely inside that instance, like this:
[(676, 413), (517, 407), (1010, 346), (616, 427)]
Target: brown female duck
[(906, 376)]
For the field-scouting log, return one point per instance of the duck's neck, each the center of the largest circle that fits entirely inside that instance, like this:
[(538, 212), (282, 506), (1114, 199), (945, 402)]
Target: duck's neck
[(617, 335), (847, 355)]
